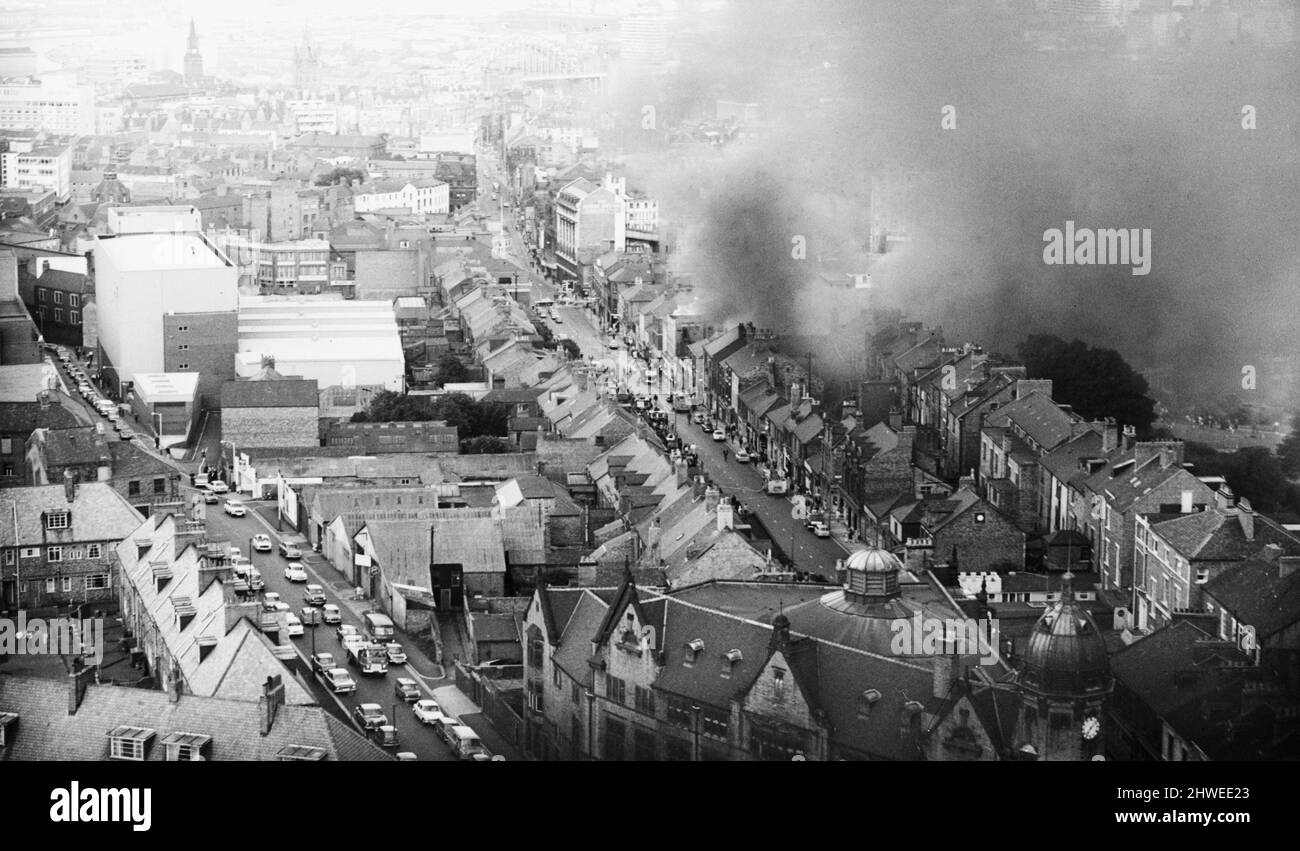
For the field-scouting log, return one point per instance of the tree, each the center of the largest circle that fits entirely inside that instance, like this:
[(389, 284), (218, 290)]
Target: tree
[(451, 370), (484, 445), (1252, 472), (1097, 383), (571, 349), (470, 418), (339, 174), (389, 407), (1288, 452)]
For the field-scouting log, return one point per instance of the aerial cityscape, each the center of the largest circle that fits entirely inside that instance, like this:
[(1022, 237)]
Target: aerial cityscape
[(649, 380)]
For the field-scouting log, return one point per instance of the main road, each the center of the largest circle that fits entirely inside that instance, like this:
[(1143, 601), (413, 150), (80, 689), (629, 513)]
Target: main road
[(412, 735)]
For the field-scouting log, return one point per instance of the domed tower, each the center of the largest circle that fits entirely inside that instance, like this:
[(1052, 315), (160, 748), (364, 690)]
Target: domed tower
[(871, 574), (1064, 681)]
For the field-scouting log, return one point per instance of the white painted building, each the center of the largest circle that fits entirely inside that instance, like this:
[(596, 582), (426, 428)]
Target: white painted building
[(430, 197), (169, 218), (54, 104), (314, 116), (45, 167), (334, 341)]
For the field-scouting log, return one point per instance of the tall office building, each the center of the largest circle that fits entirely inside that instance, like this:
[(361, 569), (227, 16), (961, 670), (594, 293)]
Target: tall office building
[(643, 41)]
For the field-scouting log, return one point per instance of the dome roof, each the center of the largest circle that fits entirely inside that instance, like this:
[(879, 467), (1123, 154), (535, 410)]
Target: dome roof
[(1066, 653), (873, 560)]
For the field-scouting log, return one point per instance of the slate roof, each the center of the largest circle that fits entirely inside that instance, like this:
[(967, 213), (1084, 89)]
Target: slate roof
[(1257, 594), (282, 393), (1063, 461), (46, 731), (1214, 535), (98, 513), (1038, 416)]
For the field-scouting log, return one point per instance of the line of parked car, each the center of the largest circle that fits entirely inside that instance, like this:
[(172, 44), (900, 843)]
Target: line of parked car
[(105, 407)]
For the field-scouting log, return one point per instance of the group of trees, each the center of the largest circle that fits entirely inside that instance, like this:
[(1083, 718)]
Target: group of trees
[(482, 426), (1253, 472), (338, 175)]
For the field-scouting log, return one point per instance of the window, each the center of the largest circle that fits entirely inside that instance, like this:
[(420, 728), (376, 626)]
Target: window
[(58, 314), (159, 485), (575, 692), (54, 554), (57, 520), (97, 582), (74, 300), (555, 675), (129, 742), (67, 584), (679, 712), (58, 297), (74, 317), (615, 739), (93, 551), (643, 745), (645, 700), (536, 654), (10, 557), (778, 684), (132, 488), (183, 347), (49, 586), (182, 366), (181, 329), (714, 722), (40, 294), (6, 445), (615, 689), (8, 469), (1202, 575)]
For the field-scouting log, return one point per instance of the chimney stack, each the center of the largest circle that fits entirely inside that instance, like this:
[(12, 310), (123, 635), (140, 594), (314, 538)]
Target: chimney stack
[(712, 496), (945, 674), (1130, 435), (1187, 502), (80, 677), (726, 515), (70, 485), (1246, 518)]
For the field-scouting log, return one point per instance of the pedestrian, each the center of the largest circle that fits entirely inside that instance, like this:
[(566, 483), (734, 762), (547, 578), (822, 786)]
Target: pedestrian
[(725, 453)]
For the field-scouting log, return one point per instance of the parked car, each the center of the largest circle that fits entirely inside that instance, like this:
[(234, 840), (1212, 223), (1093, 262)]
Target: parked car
[(235, 508), (262, 543), (339, 681), (295, 572), (288, 550), (219, 487), (742, 456), (406, 689), (407, 756), (396, 655), (329, 613), (820, 529), (719, 435), (292, 624), (315, 595), (698, 417), (126, 434), (385, 735), (443, 725), (322, 662), (427, 710), (269, 600), (465, 744), (371, 716)]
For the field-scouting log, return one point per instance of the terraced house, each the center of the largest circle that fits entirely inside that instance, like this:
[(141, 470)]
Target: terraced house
[(56, 542)]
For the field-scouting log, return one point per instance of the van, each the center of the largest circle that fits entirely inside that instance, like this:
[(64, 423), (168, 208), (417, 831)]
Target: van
[(379, 627), (465, 744), (443, 727)]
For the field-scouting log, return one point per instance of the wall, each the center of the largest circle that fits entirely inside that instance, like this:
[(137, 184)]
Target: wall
[(981, 546), (210, 339), (270, 427)]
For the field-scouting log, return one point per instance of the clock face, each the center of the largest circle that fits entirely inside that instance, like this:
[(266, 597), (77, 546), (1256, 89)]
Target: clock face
[(1091, 727)]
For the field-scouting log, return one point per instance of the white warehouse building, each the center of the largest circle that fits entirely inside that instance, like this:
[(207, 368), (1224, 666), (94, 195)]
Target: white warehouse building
[(428, 197), (336, 341)]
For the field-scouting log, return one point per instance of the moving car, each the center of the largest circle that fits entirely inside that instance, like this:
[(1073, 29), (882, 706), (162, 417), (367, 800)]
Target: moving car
[(370, 715), (262, 543), (126, 434), (742, 456), (407, 756), (396, 655), (352, 644), (315, 595), (339, 680), (820, 529), (406, 689), (427, 710), (295, 572), (288, 550), (292, 624), (719, 435), (385, 736), (235, 508), (270, 600), (210, 498), (346, 629), (329, 613), (698, 417), (310, 615), (219, 487)]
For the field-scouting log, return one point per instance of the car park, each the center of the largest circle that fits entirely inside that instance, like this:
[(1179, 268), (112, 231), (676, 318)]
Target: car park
[(407, 689), (235, 508), (427, 710), (339, 680), (330, 613), (370, 716), (288, 550), (315, 595), (262, 543), (295, 572)]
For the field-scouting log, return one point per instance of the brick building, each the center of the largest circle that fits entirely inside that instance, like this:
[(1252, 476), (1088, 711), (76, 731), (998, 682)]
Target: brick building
[(270, 412), (143, 480)]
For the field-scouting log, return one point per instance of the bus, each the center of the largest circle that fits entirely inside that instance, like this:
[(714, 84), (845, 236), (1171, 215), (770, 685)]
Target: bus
[(379, 627)]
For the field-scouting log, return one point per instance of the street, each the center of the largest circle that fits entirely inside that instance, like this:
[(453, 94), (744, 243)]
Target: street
[(412, 735)]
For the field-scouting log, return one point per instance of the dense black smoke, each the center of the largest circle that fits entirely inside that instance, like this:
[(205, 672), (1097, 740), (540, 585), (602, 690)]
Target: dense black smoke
[(1041, 137)]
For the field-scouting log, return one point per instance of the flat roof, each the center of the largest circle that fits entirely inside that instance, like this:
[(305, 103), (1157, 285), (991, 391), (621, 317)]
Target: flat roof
[(20, 382), (137, 252)]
